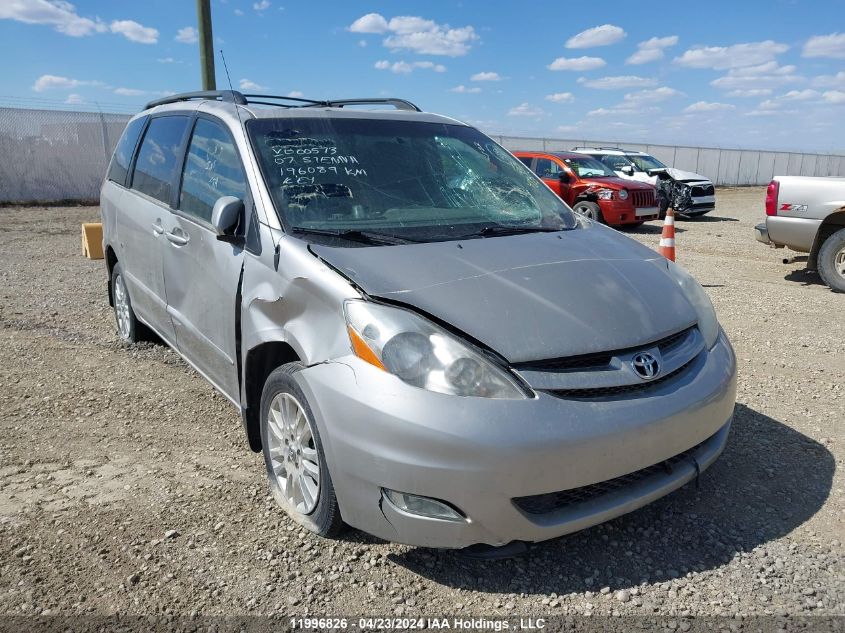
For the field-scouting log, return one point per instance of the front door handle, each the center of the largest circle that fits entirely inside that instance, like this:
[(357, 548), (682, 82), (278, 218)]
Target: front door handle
[(158, 229), (178, 240)]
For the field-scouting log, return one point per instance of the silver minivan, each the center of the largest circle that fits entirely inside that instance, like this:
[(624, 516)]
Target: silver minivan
[(425, 342)]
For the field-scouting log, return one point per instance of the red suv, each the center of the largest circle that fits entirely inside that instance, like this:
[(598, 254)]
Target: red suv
[(593, 189)]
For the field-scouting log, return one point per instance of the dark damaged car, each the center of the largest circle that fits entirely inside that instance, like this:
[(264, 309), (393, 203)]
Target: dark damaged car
[(423, 339)]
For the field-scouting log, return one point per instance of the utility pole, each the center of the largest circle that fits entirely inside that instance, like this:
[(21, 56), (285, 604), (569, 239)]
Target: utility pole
[(206, 45)]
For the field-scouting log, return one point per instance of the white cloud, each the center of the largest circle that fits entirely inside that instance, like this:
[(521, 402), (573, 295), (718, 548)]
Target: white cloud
[(239, 12), (485, 76), (561, 97), (651, 96), (834, 96), (135, 32), (708, 106), (261, 5), (436, 41), (404, 68), (750, 92), (769, 74), (734, 56), (652, 49), (74, 99), (577, 63), (800, 95), (129, 92), (167, 60), (296, 94), (832, 45), (830, 81), (247, 84), (621, 81), (362, 43), (597, 36), (625, 108), (187, 35), (59, 14), (466, 90), (370, 23), (51, 82), (526, 109), (417, 35)]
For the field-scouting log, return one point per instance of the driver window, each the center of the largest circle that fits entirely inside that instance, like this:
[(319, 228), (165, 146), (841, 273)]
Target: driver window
[(212, 170), (547, 168)]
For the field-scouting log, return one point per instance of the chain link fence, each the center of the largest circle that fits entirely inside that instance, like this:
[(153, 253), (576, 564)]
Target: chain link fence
[(55, 155), (50, 155)]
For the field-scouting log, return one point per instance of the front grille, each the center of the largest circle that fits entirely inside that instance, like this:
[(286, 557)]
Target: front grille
[(643, 198), (595, 393), (703, 190), (598, 360), (552, 501)]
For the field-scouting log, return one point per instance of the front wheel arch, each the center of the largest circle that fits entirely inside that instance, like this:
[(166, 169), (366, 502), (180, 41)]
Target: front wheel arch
[(259, 363)]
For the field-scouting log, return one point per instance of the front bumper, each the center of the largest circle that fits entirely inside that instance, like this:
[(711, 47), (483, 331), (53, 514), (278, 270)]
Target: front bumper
[(479, 454), (617, 212)]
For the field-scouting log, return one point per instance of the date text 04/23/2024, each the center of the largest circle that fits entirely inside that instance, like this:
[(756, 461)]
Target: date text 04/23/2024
[(409, 623)]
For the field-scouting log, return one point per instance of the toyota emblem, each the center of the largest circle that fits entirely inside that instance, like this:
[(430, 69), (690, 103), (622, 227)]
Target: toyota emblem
[(646, 365)]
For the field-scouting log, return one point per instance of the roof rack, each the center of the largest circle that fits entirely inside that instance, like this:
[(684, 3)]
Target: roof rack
[(233, 96), (616, 149)]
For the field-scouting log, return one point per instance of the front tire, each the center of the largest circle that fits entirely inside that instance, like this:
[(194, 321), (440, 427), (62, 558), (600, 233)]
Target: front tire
[(590, 210), (293, 454), (831, 261)]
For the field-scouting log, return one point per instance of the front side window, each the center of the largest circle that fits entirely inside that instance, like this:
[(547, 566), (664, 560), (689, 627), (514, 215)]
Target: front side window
[(615, 162), (212, 170), (123, 152), (644, 163), (547, 168), (589, 167), (159, 157), (422, 181)]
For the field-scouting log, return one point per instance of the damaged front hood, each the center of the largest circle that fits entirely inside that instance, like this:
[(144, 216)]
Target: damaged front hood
[(529, 297), (684, 176)]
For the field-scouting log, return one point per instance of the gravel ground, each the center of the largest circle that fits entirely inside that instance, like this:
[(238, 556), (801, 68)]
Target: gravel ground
[(126, 485)]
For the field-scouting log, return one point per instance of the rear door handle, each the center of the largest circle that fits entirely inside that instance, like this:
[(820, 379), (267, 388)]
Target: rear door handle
[(178, 240), (158, 229)]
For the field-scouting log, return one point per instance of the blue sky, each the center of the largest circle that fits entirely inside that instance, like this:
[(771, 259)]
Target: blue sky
[(741, 73)]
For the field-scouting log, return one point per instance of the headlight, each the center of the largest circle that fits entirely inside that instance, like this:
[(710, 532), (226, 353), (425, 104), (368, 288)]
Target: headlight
[(604, 194), (623, 195), (422, 354), (707, 323)]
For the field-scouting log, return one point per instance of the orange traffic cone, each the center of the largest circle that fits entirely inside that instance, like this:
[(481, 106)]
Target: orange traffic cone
[(667, 239)]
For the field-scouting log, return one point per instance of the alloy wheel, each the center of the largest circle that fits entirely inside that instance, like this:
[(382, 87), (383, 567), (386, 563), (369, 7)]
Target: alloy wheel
[(839, 262), (293, 453), (121, 307)]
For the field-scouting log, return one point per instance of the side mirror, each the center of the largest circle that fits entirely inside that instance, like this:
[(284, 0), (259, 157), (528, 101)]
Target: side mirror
[(628, 170), (564, 177), (225, 216)]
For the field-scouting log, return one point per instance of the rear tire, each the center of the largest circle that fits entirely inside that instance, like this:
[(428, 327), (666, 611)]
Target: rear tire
[(128, 327), (831, 261), (590, 210), (293, 454)]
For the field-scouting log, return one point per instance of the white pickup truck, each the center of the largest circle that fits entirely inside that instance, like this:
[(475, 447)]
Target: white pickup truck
[(807, 214)]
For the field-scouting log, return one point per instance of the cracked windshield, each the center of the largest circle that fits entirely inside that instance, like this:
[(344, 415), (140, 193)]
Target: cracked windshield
[(399, 180)]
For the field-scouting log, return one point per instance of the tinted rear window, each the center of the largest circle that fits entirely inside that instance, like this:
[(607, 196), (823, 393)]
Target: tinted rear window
[(123, 152), (159, 157)]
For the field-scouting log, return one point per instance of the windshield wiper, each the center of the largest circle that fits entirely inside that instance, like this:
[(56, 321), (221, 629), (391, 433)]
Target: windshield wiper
[(503, 229), (355, 235)]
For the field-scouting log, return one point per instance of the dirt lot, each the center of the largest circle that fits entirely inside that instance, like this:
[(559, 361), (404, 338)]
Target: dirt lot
[(106, 450)]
